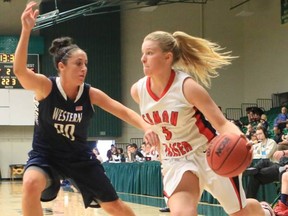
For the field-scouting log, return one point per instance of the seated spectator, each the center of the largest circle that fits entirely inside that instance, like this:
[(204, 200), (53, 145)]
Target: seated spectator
[(130, 157), (266, 146), (282, 144), (136, 155), (254, 138), (250, 131), (263, 122), (249, 114), (97, 154), (257, 113), (281, 118), (285, 133), (120, 157), (265, 170), (254, 115), (277, 134), (143, 148), (110, 152)]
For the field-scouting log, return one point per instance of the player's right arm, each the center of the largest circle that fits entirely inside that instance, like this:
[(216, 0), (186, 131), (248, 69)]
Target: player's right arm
[(199, 97), (38, 83)]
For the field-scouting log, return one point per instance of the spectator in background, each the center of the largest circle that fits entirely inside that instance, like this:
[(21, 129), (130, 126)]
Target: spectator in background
[(278, 137), (136, 155), (130, 156), (266, 147), (277, 134), (119, 156), (281, 118), (266, 170), (254, 115), (250, 131), (143, 148), (110, 152), (97, 154), (249, 114), (254, 138), (263, 122)]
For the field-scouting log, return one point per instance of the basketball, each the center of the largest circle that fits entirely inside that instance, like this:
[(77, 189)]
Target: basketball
[(228, 155)]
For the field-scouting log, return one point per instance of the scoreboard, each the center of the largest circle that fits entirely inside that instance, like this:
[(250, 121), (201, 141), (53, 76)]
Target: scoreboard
[(7, 78)]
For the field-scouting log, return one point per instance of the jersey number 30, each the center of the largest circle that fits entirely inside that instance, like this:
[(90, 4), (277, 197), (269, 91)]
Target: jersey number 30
[(66, 130)]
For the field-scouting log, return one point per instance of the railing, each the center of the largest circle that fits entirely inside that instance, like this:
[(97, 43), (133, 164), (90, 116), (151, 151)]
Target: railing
[(122, 145), (234, 113), (138, 141), (244, 106), (237, 113), (264, 103)]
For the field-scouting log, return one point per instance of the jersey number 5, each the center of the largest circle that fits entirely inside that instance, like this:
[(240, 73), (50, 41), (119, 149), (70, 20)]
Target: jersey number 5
[(168, 133)]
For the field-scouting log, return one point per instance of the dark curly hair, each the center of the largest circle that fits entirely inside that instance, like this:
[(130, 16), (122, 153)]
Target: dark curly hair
[(61, 49)]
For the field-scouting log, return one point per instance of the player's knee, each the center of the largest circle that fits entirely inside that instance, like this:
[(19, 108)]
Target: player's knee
[(253, 207), (33, 186)]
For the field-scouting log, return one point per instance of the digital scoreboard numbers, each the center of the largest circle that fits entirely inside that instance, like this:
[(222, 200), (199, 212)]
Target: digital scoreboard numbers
[(7, 78)]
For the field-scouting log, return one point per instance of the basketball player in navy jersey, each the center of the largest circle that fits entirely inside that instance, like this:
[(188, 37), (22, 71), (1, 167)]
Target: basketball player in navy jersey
[(64, 106), (171, 99)]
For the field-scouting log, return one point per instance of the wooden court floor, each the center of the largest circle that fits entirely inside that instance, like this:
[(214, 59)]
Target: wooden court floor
[(70, 204), (66, 204)]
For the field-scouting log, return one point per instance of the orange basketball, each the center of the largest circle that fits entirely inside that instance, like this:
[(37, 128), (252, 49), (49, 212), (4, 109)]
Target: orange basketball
[(228, 155)]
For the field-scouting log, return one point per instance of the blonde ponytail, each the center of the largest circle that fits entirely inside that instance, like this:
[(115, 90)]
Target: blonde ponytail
[(200, 58), (196, 56)]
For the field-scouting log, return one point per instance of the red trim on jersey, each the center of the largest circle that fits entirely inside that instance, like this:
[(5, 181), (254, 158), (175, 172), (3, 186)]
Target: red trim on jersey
[(235, 184), (204, 126), (165, 194), (151, 93)]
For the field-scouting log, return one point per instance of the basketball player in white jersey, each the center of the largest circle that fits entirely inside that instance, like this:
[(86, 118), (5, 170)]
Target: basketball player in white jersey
[(172, 99)]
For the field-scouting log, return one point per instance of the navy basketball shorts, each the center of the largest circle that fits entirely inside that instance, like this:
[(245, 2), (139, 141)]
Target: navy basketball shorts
[(88, 176)]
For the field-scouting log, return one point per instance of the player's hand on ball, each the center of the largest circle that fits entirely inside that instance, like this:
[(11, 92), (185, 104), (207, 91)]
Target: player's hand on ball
[(229, 154)]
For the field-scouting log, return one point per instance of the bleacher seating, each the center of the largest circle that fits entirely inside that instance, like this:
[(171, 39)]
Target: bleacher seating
[(241, 115)]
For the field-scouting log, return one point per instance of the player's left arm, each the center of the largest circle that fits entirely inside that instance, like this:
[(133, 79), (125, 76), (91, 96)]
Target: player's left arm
[(199, 97)]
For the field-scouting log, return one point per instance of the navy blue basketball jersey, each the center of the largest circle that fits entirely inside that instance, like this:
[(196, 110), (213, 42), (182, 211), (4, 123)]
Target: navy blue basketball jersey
[(61, 125)]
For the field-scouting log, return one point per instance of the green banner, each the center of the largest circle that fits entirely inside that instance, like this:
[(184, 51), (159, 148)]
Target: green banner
[(8, 44)]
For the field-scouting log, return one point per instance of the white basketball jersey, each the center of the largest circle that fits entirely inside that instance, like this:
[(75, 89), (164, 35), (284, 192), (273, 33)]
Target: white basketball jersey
[(180, 126)]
